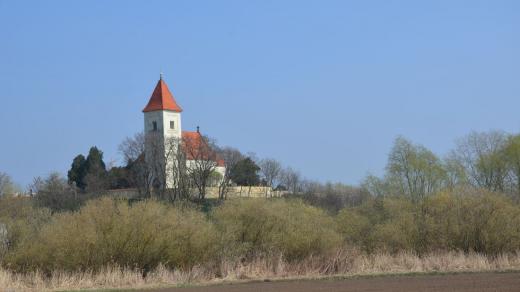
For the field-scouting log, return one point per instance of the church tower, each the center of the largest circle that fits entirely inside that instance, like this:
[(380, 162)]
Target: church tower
[(162, 120)]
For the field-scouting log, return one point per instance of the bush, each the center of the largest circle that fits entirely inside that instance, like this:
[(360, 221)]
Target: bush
[(467, 220), (107, 232), (477, 221), (56, 194), (19, 221), (380, 224), (141, 236), (253, 227)]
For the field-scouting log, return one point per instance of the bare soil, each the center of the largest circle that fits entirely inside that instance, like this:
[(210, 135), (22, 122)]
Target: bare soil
[(479, 282)]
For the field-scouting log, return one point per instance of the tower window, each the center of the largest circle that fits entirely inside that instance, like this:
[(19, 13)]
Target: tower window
[(154, 126), (172, 125)]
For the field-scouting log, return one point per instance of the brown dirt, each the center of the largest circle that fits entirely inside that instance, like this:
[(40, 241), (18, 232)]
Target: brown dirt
[(425, 283)]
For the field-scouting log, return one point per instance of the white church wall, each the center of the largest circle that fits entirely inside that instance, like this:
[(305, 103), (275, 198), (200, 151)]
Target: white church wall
[(149, 118), (169, 116), (163, 119)]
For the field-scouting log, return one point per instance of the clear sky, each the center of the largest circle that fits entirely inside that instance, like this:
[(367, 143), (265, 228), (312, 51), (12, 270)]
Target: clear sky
[(322, 86)]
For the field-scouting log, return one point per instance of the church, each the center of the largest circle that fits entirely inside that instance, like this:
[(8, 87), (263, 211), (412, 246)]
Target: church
[(162, 118)]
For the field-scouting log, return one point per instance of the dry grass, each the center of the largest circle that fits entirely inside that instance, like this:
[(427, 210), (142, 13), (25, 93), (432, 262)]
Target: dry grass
[(344, 263)]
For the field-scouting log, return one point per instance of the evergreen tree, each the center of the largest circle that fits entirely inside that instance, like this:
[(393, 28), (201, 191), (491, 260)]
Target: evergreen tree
[(95, 162), (245, 173), (89, 173), (96, 173), (119, 178), (78, 171)]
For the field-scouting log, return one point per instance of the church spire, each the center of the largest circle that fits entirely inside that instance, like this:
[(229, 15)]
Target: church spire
[(162, 98)]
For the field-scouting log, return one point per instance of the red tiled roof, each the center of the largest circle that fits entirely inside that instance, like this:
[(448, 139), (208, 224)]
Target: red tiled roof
[(193, 143), (162, 99), (191, 135)]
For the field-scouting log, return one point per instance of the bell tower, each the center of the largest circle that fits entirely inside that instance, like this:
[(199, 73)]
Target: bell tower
[(162, 122)]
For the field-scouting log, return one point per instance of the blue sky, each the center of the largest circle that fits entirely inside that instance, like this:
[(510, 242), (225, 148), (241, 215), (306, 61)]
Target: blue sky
[(322, 86)]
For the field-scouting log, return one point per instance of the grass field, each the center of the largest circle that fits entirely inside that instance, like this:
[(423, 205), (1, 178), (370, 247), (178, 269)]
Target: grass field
[(340, 266)]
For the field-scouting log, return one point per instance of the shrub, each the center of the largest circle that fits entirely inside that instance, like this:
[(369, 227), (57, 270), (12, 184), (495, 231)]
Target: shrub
[(473, 220), (383, 224), (258, 226), (355, 228), (141, 236), (477, 221), (19, 221), (107, 232)]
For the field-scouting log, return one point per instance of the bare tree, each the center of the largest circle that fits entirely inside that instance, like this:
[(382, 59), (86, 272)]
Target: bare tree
[(291, 179), (231, 157), (36, 185), (55, 193), (159, 170), (141, 173), (7, 186), (168, 167), (482, 156), (132, 147), (415, 170), (271, 170), (201, 160), (456, 174), (512, 157), (178, 181), (375, 186), (332, 196)]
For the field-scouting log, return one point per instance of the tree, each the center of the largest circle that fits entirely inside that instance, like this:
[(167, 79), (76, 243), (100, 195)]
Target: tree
[(95, 178), (156, 165), (89, 174), (512, 157), (270, 170), (231, 157), (156, 156), (201, 160), (331, 196), (415, 170), (78, 171), (140, 172), (55, 193), (455, 172), (118, 178), (168, 167), (176, 170), (245, 173), (291, 179), (482, 156), (376, 186), (7, 186)]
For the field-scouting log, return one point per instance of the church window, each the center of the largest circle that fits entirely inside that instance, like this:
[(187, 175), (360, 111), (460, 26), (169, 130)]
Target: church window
[(172, 125), (154, 126)]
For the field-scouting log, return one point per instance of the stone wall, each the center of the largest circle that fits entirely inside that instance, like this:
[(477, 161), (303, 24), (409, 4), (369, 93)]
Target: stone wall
[(245, 192), (212, 192)]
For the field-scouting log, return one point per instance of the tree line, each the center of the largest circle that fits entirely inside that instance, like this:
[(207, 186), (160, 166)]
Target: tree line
[(149, 173), (486, 160), (89, 177)]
